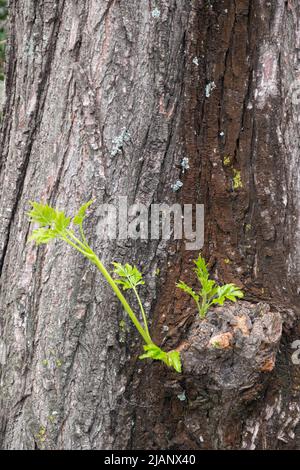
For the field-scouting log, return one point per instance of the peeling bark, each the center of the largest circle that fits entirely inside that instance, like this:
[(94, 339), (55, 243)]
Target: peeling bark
[(212, 81)]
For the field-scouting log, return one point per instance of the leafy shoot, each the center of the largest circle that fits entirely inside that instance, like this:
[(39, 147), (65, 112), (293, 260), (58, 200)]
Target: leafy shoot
[(54, 224), (210, 293)]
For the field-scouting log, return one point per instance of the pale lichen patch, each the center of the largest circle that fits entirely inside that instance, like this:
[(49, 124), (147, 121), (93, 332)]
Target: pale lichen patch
[(209, 88), (267, 86), (155, 13), (176, 186), (119, 141)]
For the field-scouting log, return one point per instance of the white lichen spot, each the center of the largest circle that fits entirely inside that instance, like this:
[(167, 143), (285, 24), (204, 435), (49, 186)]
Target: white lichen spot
[(119, 142), (284, 200), (2, 352), (185, 164), (181, 396), (176, 186), (269, 412), (196, 61), (252, 429), (2, 94), (155, 13), (222, 134), (209, 88)]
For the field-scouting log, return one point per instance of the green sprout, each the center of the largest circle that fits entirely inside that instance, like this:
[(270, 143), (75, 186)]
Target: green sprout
[(210, 293), (130, 278), (54, 224)]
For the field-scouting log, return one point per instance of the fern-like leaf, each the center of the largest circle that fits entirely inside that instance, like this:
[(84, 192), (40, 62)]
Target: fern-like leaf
[(81, 214), (201, 268), (42, 214), (171, 358), (228, 291), (183, 286), (42, 235), (129, 276), (52, 223), (210, 293)]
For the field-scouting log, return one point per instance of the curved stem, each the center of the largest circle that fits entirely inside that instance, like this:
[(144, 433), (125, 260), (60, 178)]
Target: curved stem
[(67, 240), (82, 235), (121, 297), (84, 247), (143, 311), (88, 252)]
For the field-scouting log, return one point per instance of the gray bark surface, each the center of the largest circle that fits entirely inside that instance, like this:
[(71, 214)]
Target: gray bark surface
[(79, 75)]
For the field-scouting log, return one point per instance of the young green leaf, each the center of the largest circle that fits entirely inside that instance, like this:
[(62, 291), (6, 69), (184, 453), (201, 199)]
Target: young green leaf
[(228, 291), (210, 292), (174, 360), (42, 235), (42, 214), (208, 286), (46, 216), (171, 358), (61, 222), (81, 214), (130, 276), (54, 224), (183, 286), (201, 268)]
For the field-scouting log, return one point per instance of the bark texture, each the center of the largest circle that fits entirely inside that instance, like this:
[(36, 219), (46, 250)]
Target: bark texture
[(212, 81)]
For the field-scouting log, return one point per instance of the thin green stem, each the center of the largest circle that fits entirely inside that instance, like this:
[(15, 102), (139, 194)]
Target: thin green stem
[(82, 235), (121, 297), (204, 306), (88, 252), (46, 216), (67, 240), (143, 311), (84, 247), (198, 306)]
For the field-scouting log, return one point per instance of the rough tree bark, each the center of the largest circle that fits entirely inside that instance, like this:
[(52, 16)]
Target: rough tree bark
[(214, 81)]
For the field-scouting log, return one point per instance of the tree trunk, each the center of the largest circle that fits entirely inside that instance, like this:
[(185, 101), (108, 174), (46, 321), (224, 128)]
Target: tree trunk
[(215, 82)]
